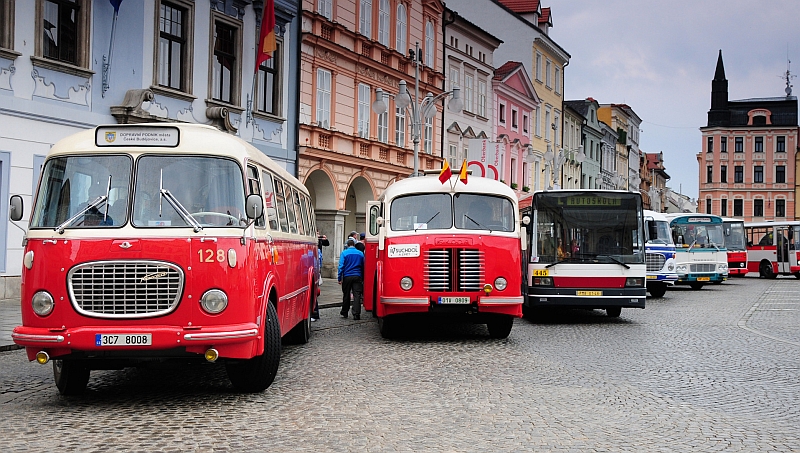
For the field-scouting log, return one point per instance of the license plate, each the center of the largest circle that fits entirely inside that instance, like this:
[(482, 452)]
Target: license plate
[(541, 272), (589, 293), (703, 279), (652, 277), (123, 339), (454, 300)]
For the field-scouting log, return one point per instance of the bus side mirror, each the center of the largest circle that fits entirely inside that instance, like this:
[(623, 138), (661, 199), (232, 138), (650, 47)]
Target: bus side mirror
[(15, 213), (254, 206)]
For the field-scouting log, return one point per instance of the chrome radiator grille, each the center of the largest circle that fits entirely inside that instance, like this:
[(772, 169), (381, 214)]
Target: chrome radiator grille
[(702, 267), (125, 289), (655, 262), (453, 270)]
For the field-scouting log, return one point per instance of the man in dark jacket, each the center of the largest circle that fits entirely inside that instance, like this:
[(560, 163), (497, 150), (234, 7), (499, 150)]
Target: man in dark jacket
[(351, 277)]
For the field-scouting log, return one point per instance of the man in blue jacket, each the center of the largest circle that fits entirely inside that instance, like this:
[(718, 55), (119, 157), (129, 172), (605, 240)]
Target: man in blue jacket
[(351, 277)]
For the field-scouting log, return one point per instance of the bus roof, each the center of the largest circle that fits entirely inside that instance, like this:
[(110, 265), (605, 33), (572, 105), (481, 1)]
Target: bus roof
[(194, 139), (792, 223), (431, 184), (655, 215), (693, 217)]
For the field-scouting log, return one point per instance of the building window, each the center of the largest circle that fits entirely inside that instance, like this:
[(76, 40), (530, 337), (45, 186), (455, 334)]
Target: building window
[(738, 145), (225, 72), (780, 174), (63, 34), (547, 78), (738, 207), (738, 174), (268, 89), (780, 144), (364, 102), (430, 39), (710, 147), (482, 98), (709, 173), (723, 207), (538, 66), (454, 76), (708, 206), (557, 76), (427, 141), (758, 174), (400, 127), (325, 8), (400, 31), (556, 129), (324, 98), (365, 18), (525, 124), (468, 82), (383, 22), (723, 144), (780, 207), (174, 40), (514, 122), (759, 145), (452, 155), (6, 24), (547, 124), (502, 113), (723, 173), (383, 125), (758, 207), (538, 125)]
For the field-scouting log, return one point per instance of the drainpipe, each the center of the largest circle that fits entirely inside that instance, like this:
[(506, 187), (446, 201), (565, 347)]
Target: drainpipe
[(297, 38)]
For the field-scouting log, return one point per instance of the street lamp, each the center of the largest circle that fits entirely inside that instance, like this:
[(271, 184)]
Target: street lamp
[(420, 111), (554, 161)]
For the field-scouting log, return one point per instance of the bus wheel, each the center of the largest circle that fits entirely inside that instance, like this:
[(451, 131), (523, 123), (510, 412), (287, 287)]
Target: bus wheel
[(302, 331), (657, 290), (71, 376), (256, 374), (613, 312), (766, 270), (387, 327), (500, 326), (797, 275)]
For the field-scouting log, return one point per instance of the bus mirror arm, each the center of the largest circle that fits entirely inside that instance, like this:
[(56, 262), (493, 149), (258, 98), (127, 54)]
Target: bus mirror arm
[(381, 237)]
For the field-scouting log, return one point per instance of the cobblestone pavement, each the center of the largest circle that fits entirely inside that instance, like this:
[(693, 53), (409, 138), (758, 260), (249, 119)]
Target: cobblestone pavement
[(710, 370)]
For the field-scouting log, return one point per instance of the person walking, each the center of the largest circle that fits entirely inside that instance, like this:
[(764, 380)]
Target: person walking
[(351, 277), (322, 241)]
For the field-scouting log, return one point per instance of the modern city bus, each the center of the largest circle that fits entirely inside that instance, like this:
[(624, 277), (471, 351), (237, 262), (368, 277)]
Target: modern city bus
[(587, 251), (447, 249), (165, 241), (771, 249), (736, 245), (659, 254), (701, 257)]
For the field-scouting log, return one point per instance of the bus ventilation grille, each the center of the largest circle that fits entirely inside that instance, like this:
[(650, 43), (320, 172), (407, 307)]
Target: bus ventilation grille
[(655, 262), (454, 270), (703, 267), (125, 289)]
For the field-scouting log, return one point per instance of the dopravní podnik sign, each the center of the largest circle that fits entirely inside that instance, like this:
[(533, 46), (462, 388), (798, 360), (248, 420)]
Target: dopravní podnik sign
[(137, 136)]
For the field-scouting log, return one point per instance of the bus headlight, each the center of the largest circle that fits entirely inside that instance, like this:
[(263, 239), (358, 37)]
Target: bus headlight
[(670, 267), (634, 282), (406, 283), (681, 268), (500, 283), (42, 303), (542, 281), (723, 267), (214, 301)]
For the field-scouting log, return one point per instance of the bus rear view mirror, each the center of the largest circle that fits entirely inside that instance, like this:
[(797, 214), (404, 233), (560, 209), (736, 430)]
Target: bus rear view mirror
[(379, 221), (15, 213), (255, 206), (526, 220)]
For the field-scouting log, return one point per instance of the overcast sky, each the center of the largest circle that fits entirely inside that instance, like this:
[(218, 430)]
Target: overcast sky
[(659, 57)]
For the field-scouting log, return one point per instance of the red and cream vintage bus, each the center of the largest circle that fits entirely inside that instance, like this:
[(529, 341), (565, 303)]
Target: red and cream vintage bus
[(736, 245), (168, 241), (771, 248), (450, 249)]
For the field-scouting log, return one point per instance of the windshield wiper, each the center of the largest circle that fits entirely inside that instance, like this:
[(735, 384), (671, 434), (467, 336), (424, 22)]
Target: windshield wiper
[(476, 223), (426, 223), (94, 204), (183, 212), (615, 261), (558, 262)]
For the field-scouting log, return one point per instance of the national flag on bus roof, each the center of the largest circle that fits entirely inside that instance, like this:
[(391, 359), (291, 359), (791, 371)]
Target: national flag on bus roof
[(266, 40), (462, 175), (446, 173)]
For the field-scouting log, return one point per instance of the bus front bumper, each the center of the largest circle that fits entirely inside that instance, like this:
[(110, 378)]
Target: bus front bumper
[(599, 298), (511, 305)]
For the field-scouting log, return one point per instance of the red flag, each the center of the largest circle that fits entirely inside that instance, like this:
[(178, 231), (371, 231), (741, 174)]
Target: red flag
[(462, 175), (446, 173), (266, 40)]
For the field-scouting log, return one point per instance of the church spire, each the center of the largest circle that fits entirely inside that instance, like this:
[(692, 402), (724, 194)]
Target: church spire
[(719, 115), (720, 72)]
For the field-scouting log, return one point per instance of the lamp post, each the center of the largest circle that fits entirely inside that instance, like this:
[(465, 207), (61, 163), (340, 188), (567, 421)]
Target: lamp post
[(420, 110), (555, 161)]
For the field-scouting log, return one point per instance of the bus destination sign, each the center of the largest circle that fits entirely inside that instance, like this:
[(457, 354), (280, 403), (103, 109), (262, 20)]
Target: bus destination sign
[(137, 136), (590, 200)]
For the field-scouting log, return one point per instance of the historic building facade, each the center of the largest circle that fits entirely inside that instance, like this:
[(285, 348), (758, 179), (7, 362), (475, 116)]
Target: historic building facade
[(572, 149), (747, 164), (591, 138)]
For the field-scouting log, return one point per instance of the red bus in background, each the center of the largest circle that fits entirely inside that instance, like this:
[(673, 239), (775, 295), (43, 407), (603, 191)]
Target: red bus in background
[(450, 249), (154, 242), (736, 244), (771, 248)]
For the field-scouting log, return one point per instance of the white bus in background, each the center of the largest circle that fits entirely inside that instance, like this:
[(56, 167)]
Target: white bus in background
[(659, 254), (771, 248)]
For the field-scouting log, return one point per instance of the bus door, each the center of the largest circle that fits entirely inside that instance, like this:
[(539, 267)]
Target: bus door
[(783, 236), (372, 238)]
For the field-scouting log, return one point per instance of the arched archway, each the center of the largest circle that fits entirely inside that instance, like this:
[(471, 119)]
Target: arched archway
[(328, 218), (359, 192)]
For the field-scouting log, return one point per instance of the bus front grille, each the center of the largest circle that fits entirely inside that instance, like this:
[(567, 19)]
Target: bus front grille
[(655, 262), (453, 270), (702, 267), (125, 289)]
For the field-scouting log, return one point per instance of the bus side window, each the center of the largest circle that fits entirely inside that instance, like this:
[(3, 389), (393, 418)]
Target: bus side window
[(298, 213), (280, 205), (253, 186), (269, 201)]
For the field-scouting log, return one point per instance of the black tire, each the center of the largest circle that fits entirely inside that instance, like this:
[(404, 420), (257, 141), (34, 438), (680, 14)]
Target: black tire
[(256, 374), (657, 290), (765, 270), (797, 275), (500, 326), (696, 285), (71, 376), (613, 312), (387, 327), (302, 331)]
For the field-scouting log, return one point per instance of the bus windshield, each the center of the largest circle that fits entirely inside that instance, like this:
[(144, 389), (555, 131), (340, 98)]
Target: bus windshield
[(699, 235), (734, 236), (663, 235), (86, 191), (594, 228), (439, 210), (209, 188)]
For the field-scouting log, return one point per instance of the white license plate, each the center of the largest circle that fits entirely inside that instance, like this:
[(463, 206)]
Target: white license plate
[(123, 339), (454, 300)]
